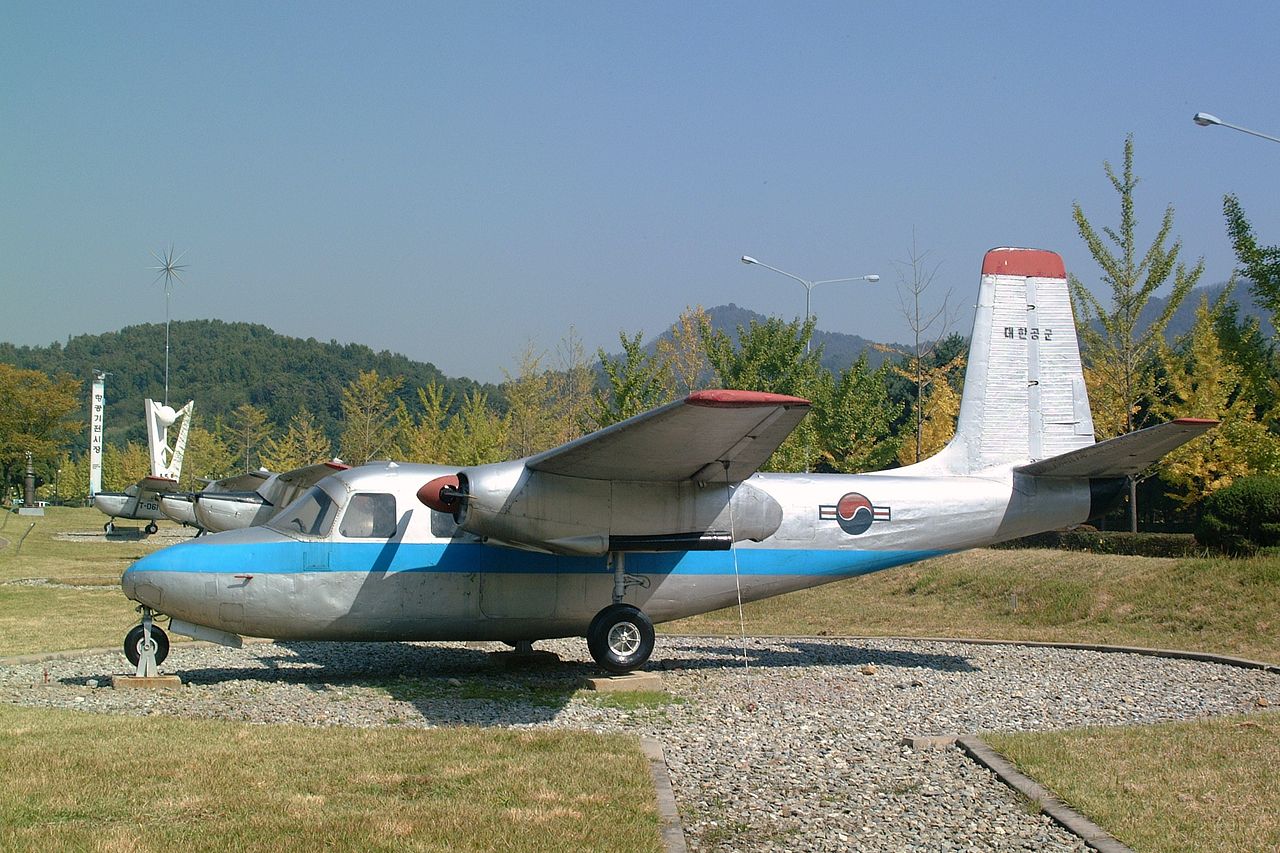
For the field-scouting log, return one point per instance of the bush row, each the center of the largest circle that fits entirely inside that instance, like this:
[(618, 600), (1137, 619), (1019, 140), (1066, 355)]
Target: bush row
[(1110, 542)]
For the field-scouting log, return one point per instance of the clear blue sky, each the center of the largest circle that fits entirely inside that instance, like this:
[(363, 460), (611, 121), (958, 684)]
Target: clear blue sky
[(452, 181)]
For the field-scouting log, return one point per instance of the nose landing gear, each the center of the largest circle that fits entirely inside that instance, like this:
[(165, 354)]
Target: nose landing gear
[(146, 645)]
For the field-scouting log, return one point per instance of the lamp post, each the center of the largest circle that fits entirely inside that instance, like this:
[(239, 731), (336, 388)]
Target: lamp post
[(809, 286), (1208, 120)]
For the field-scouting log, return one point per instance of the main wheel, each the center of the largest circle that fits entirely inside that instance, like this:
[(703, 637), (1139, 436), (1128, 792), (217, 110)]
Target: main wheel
[(133, 644), (620, 638), (109, 527), (152, 528)]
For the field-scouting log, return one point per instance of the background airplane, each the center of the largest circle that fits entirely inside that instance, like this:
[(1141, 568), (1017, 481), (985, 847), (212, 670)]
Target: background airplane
[(246, 499), (664, 515), (142, 500)]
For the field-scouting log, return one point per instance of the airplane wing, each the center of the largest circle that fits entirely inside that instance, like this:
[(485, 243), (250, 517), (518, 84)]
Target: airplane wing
[(246, 482), (308, 475), (1123, 455), (691, 438)]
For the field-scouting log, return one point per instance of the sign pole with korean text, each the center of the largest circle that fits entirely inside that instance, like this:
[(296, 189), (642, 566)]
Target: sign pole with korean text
[(97, 404)]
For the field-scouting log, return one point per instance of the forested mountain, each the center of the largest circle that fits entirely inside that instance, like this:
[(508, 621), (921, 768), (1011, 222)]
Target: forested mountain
[(221, 365)]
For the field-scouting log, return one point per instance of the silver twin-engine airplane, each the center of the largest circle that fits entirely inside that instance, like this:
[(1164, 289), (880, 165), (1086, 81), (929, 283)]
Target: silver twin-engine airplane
[(661, 516)]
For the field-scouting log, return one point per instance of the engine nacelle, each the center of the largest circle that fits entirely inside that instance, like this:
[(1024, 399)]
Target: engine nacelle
[(575, 515)]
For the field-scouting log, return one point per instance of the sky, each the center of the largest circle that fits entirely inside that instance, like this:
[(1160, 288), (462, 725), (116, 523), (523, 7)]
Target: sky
[(465, 182)]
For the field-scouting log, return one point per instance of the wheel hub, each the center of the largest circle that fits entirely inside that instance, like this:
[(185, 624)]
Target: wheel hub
[(624, 639)]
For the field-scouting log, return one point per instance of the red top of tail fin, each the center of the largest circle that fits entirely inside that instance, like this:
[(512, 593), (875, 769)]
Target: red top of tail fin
[(1037, 263)]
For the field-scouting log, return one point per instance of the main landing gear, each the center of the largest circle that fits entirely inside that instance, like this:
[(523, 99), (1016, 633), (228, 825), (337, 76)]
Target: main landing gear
[(151, 529), (621, 636), (146, 645)]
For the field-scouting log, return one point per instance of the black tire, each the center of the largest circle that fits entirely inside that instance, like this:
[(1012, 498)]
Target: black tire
[(109, 527), (152, 528), (620, 638), (133, 644)]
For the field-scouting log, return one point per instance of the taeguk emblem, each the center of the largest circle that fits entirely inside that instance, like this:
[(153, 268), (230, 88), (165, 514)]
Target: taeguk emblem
[(854, 513)]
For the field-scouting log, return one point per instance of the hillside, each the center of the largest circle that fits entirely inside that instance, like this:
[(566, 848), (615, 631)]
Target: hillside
[(221, 365)]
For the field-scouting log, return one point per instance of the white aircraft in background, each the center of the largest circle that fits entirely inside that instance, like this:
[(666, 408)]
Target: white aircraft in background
[(247, 499), (141, 501), (661, 516)]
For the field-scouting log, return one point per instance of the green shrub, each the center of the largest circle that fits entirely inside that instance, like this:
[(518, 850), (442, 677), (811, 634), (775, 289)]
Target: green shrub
[(1112, 542), (1243, 517)]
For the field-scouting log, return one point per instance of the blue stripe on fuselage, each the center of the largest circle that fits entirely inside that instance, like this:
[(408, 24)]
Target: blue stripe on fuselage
[(466, 557)]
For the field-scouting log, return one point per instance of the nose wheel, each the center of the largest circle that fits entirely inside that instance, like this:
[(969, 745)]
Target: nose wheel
[(146, 646), (621, 638)]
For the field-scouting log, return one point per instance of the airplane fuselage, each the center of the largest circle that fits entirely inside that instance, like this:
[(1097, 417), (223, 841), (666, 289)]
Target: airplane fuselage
[(428, 581)]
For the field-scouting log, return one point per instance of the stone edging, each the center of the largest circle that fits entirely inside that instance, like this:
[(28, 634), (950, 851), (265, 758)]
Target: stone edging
[(672, 831), (1062, 814)]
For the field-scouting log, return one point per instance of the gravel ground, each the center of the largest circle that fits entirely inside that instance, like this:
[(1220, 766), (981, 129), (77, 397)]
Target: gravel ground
[(799, 750)]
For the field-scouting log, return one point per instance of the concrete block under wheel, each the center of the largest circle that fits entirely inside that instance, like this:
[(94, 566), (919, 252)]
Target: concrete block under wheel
[(626, 683), (154, 682)]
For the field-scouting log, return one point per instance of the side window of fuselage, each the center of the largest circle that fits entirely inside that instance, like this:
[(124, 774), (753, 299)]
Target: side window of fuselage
[(369, 516)]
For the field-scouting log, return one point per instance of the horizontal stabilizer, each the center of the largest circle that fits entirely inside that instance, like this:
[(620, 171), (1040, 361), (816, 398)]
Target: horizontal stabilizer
[(718, 435), (1123, 455)]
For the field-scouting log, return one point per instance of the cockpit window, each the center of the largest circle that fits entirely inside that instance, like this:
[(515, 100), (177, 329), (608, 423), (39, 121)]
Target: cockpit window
[(369, 516), (311, 515)]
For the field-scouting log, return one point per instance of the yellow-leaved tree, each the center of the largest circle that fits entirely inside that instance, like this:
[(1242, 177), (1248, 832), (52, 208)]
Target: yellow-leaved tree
[(1203, 383), (303, 443)]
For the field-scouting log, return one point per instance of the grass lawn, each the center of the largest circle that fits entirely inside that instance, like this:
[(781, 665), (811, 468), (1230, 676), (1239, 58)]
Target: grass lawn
[(251, 787), (79, 604), (1214, 605), (77, 781), (1209, 786)]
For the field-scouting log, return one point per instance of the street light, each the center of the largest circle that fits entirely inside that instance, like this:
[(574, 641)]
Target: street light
[(1207, 120), (809, 285)]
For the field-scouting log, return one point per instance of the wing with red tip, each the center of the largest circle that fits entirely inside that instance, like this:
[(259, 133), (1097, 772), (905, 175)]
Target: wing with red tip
[(709, 435)]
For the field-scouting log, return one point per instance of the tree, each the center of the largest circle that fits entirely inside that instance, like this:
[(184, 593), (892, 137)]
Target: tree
[(123, 467), (636, 383), (531, 419), (35, 415), (1203, 383), (773, 356), (427, 438), (249, 429), (854, 424), (683, 352), (303, 443), (1119, 351), (370, 426), (208, 456), (1260, 264), (911, 292), (573, 387), (935, 415), (479, 435)]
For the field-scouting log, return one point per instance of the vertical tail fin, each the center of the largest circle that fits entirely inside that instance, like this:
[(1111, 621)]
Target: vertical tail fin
[(1024, 392)]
